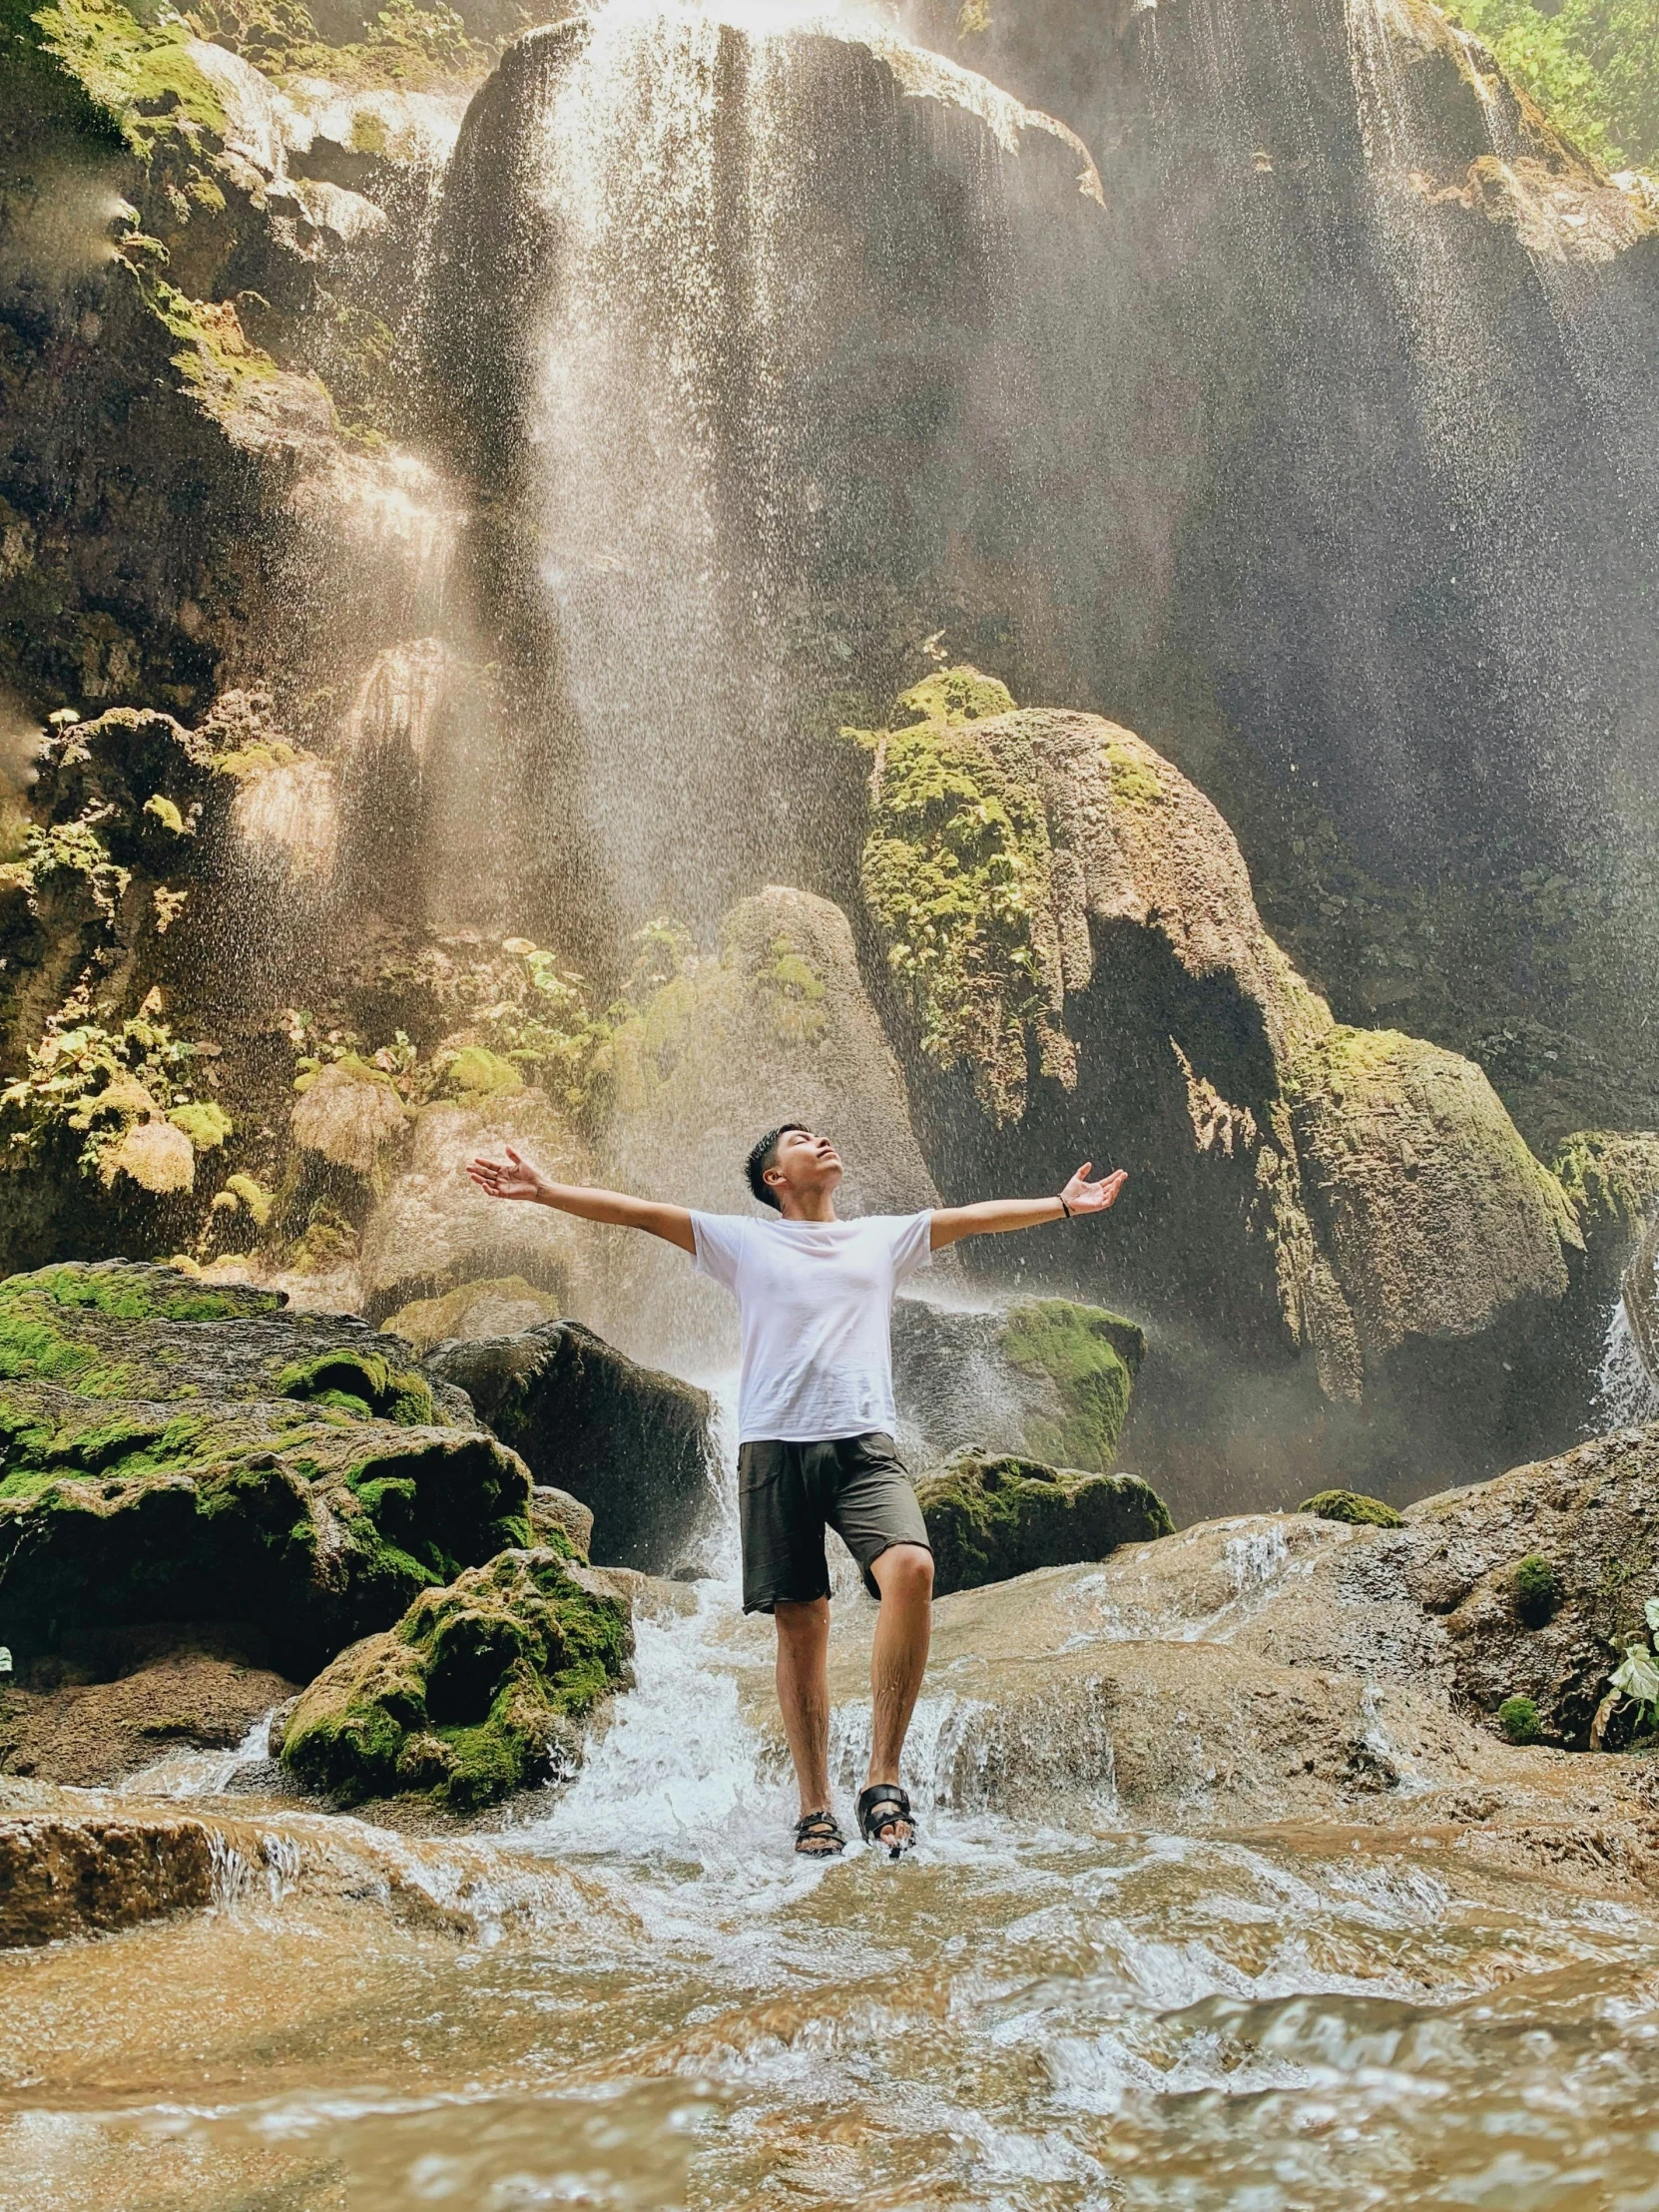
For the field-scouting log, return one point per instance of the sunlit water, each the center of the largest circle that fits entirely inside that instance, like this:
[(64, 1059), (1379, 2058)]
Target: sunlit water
[(635, 1996)]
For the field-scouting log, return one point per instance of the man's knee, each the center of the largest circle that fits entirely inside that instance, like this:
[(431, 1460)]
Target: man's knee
[(905, 1570), (801, 1619)]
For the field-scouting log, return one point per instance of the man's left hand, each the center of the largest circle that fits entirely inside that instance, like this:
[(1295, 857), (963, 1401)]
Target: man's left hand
[(1084, 1197)]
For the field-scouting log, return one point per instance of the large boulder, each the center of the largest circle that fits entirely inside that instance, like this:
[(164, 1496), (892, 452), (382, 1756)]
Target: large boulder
[(496, 1307), (473, 1694), (174, 1453), (1044, 1377), (632, 1445), (989, 1519), (779, 1029), (1074, 946)]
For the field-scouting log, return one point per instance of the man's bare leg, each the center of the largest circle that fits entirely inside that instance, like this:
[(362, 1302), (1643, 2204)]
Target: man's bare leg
[(898, 1658), (804, 1695)]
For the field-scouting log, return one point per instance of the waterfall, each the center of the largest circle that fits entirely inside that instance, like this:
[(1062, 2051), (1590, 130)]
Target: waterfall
[(755, 404)]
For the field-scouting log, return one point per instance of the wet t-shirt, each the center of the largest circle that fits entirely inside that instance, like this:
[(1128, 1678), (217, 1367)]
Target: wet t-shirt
[(815, 1301)]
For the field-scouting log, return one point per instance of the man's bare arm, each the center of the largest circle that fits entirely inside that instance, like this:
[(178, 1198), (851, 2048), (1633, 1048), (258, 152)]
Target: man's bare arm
[(994, 1215), (516, 1178)]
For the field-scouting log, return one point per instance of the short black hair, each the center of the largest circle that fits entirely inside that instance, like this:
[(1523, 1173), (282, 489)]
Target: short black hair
[(765, 1155)]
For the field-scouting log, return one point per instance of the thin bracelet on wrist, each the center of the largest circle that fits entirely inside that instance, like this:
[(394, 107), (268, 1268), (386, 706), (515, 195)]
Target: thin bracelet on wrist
[(1064, 1207)]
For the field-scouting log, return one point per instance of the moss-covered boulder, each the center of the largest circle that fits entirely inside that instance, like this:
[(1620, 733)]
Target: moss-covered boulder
[(1351, 1506), (631, 1444), (1424, 1197), (473, 1694), (989, 1519), (1046, 1379), (171, 1451)]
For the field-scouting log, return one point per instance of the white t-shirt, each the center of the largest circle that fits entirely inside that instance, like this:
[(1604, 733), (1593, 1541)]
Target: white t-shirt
[(814, 1300)]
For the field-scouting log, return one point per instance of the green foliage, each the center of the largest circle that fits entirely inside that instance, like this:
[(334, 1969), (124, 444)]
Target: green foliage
[(954, 870), (1637, 1674), (1519, 1719), (97, 1083), (1591, 65), (71, 849), (1351, 1505), (1092, 1357), (1537, 1589)]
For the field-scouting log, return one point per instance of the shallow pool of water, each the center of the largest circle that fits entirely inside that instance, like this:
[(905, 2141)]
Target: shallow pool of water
[(635, 1996)]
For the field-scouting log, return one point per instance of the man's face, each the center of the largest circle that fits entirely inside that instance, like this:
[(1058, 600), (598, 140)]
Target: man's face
[(806, 1162)]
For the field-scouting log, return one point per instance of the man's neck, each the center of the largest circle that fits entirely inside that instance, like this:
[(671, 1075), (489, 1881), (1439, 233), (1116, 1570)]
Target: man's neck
[(817, 1206)]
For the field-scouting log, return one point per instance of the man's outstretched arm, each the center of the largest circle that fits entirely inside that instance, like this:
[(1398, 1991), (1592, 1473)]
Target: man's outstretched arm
[(952, 1222), (516, 1178)]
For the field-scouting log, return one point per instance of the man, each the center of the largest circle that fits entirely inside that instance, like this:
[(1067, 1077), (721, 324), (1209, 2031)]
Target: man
[(815, 1425)]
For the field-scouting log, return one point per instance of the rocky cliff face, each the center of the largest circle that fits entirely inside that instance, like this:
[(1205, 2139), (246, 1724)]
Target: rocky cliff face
[(448, 676)]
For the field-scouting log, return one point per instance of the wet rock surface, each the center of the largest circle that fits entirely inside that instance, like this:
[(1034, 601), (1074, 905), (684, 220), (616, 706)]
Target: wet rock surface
[(1592, 1517), (632, 1445), (66, 1877), (65, 1724)]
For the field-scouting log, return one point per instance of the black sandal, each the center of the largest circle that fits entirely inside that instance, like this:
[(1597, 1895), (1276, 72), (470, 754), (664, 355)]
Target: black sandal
[(884, 1805), (819, 1835)]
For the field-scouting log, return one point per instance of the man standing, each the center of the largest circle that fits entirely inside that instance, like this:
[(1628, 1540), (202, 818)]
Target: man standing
[(815, 1425)]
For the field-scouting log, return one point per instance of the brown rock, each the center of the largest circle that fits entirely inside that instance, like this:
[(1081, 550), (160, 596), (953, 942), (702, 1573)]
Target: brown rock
[(62, 1877)]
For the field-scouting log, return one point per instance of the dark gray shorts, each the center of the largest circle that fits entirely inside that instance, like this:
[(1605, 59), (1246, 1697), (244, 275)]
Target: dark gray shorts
[(789, 1493)]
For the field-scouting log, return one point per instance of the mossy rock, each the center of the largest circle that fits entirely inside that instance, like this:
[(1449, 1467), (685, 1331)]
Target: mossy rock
[(307, 1520), (1351, 1505), (1092, 1358), (989, 1519), (174, 1450), (127, 1328), (473, 1694), (632, 1444)]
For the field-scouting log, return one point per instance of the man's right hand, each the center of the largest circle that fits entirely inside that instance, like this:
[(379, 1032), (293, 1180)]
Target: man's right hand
[(515, 1179)]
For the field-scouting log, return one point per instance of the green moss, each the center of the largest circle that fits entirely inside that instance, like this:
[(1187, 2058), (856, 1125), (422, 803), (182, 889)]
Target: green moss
[(252, 1196), (791, 994), (311, 1522), (205, 1122), (467, 1697), (954, 871), (989, 1519), (1133, 782), (1351, 1505), (1610, 1175), (141, 77), (1519, 1721), (166, 813), (359, 1379), (1537, 1589), (960, 693), (1092, 1357), (476, 1072)]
